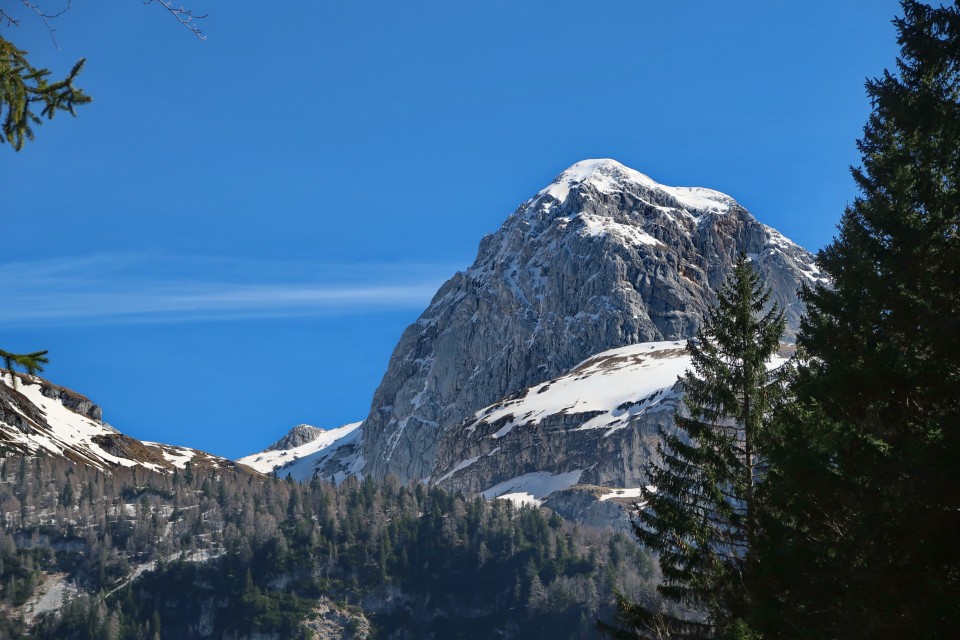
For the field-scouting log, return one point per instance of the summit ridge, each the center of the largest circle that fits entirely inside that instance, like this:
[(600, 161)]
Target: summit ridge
[(607, 175)]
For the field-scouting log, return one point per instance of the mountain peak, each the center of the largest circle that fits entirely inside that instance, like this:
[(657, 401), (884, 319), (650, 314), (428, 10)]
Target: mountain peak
[(602, 258), (609, 176), (299, 435)]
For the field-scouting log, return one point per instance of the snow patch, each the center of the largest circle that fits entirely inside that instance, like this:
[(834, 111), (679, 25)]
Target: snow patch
[(532, 488), (628, 493), (604, 383), (617, 385), (68, 430), (598, 226)]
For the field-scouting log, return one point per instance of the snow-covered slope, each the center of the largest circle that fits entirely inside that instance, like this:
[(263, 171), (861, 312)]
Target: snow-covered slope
[(336, 450), (595, 425), (601, 258), (614, 385), (40, 417)]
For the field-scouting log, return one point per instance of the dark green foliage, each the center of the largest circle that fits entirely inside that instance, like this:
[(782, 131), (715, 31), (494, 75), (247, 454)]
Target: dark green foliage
[(24, 89), (701, 517), (258, 554), (31, 362), (865, 508)]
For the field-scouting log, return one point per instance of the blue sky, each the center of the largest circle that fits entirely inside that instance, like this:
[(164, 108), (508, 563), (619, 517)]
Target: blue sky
[(232, 237)]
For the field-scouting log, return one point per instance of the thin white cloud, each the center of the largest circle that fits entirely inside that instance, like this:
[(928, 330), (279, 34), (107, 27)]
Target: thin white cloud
[(157, 288)]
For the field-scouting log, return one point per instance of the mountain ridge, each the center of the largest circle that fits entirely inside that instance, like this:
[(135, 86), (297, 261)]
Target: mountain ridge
[(38, 416)]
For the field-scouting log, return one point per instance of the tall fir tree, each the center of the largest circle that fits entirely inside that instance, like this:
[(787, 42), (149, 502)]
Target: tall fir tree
[(860, 539), (699, 515)]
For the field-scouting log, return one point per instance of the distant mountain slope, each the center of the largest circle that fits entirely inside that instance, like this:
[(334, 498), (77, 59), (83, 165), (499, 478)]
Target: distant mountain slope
[(336, 451), (602, 258), (40, 417)]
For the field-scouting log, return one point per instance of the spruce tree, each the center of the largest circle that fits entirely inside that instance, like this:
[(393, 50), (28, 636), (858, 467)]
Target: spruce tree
[(699, 515), (861, 535), (31, 362), (27, 95)]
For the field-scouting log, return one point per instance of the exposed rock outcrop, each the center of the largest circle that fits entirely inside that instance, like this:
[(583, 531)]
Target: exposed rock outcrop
[(296, 437)]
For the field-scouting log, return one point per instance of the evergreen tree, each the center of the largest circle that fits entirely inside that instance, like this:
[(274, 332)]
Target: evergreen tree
[(32, 362), (23, 88), (865, 508), (700, 514)]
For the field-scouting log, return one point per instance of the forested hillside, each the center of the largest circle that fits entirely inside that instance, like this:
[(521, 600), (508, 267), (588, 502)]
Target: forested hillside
[(213, 553)]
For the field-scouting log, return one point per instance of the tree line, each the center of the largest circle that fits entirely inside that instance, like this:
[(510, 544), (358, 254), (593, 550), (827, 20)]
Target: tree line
[(220, 553)]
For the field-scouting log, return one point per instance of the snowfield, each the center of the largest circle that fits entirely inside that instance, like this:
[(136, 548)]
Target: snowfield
[(532, 488), (618, 383), (604, 394)]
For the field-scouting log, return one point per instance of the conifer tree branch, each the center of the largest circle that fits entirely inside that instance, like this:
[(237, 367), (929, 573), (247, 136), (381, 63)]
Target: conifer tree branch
[(26, 94), (31, 362), (23, 86)]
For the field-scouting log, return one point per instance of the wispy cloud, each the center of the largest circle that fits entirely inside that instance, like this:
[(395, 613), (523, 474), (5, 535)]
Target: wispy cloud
[(126, 288)]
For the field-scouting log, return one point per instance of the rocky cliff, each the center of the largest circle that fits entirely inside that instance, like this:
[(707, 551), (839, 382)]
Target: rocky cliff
[(596, 425), (576, 441), (601, 258)]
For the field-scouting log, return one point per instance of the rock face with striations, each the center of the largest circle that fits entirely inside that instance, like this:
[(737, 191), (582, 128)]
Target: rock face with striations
[(601, 258)]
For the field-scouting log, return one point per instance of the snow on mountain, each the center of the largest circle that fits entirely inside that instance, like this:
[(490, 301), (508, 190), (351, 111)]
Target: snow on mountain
[(337, 450), (531, 488), (637, 377), (595, 425), (607, 176), (37, 416), (602, 258)]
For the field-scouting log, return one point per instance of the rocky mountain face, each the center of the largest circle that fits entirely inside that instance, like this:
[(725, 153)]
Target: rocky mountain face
[(37, 416), (579, 442), (596, 425), (602, 258), (296, 437)]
